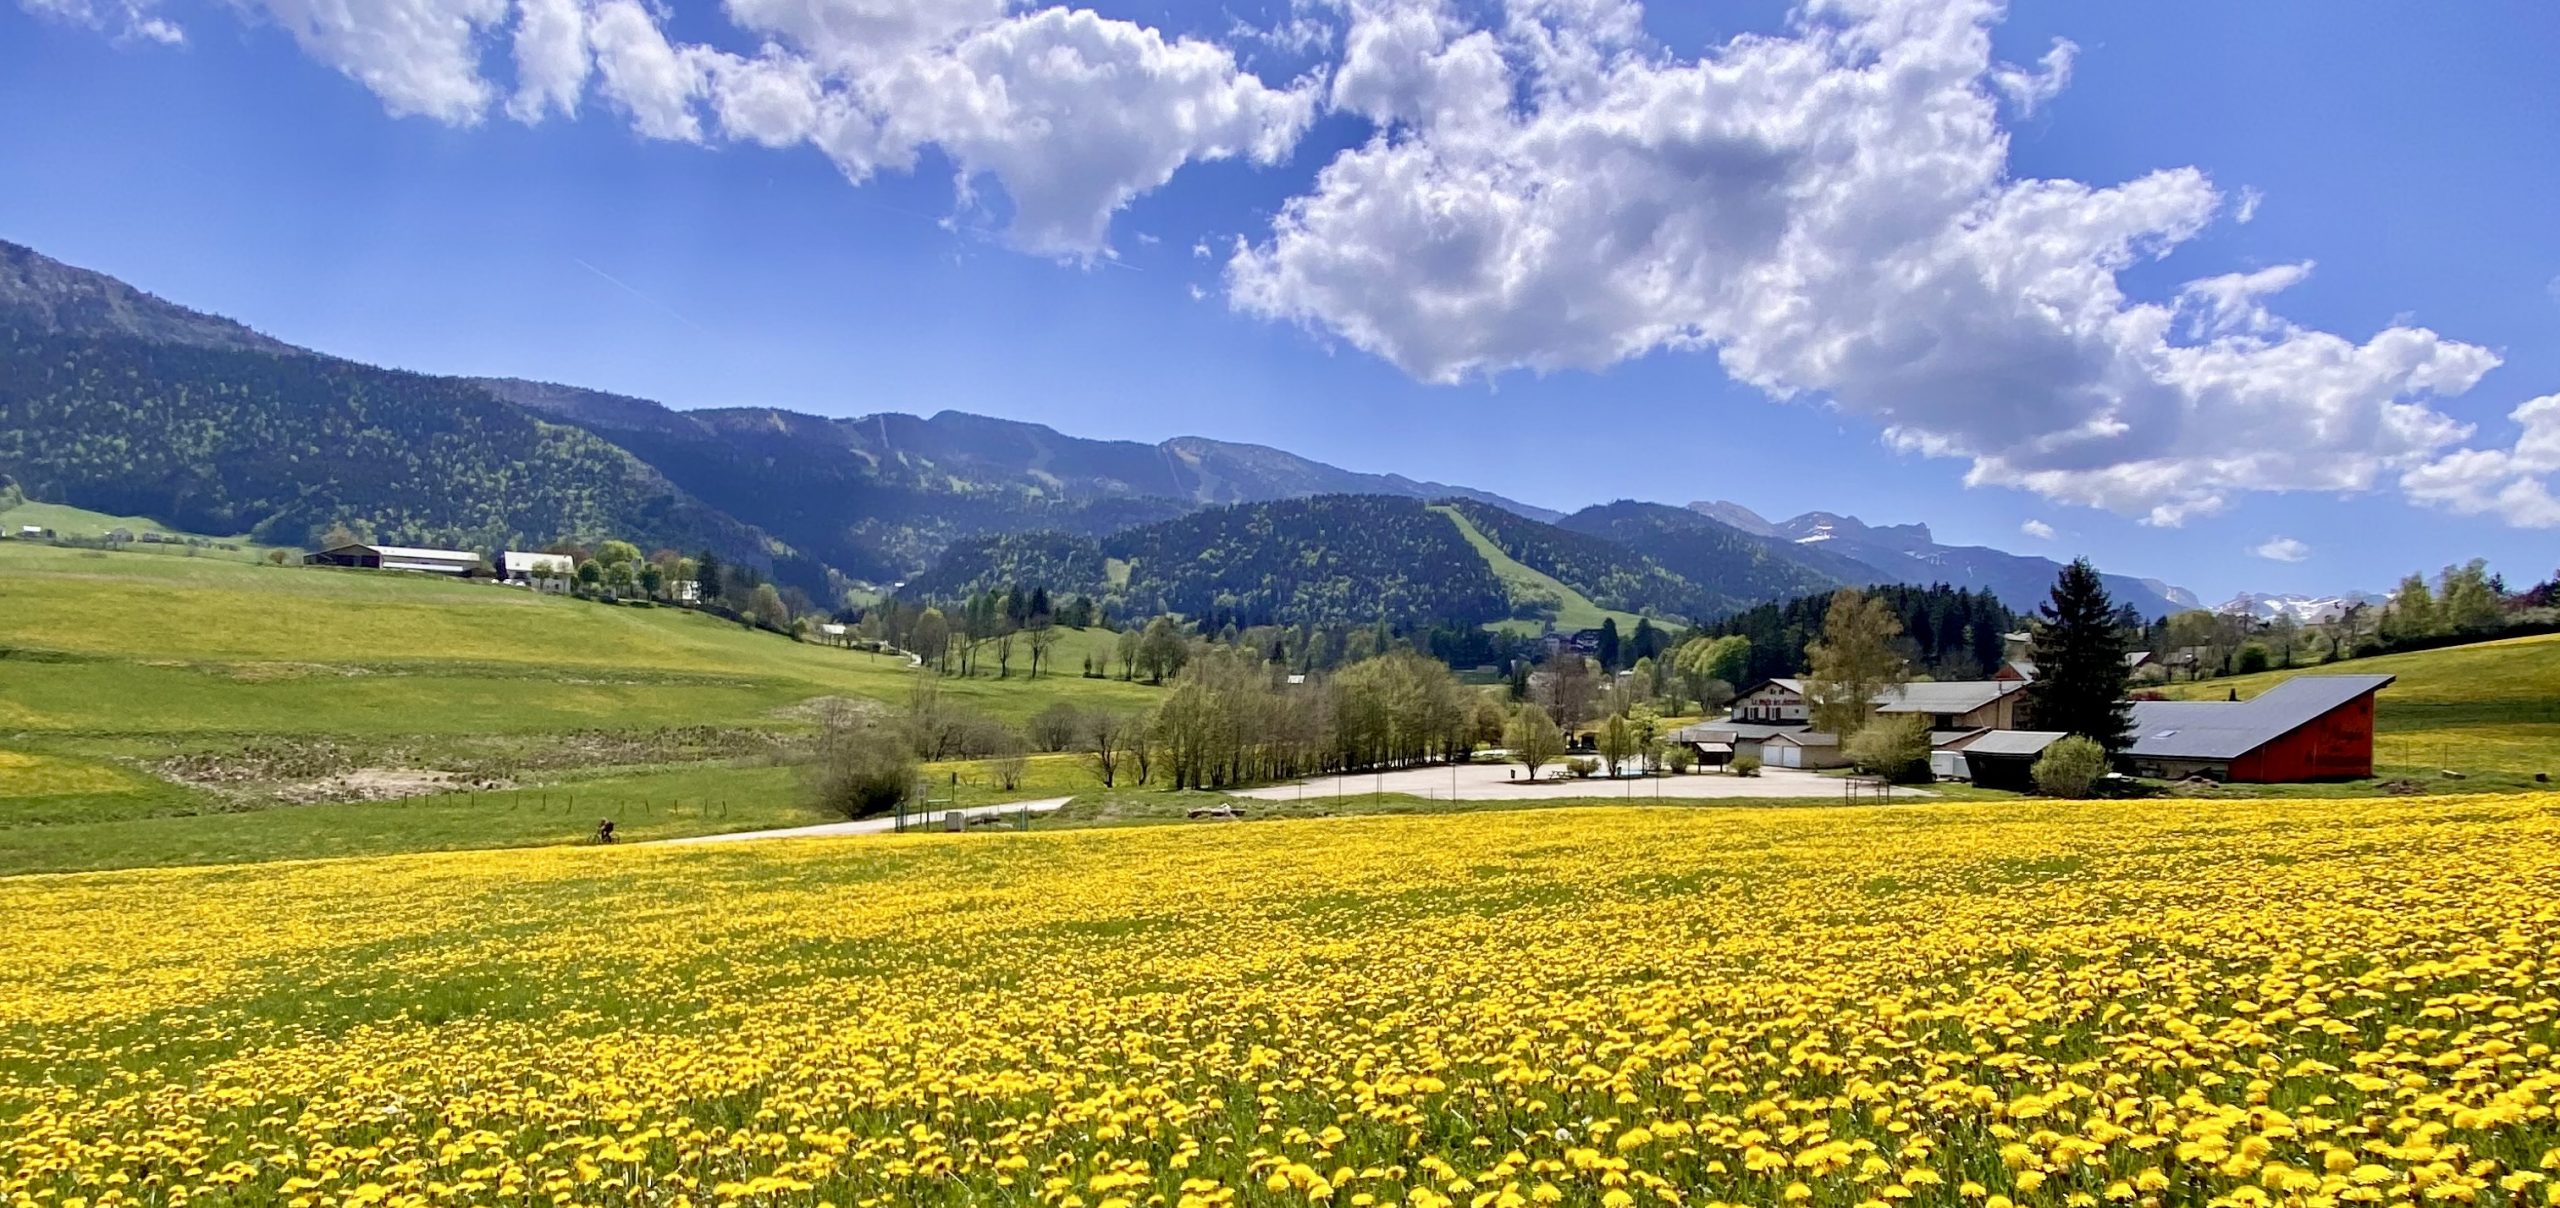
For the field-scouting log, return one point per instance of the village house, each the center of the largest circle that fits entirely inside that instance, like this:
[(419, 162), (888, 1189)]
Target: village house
[(542, 572), (1952, 705)]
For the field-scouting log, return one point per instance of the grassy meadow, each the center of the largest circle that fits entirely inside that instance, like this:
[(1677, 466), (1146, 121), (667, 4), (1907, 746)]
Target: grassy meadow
[(1576, 610), (2153, 1004), (2484, 707), (165, 709), (81, 524)]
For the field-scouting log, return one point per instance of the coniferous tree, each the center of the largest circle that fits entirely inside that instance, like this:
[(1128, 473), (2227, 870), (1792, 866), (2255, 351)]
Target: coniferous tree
[(2080, 672)]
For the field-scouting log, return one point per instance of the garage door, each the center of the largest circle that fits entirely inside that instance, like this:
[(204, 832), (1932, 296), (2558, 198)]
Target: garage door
[(1788, 757)]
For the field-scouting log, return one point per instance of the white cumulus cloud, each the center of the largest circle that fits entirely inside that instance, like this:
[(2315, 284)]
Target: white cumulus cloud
[(2037, 529), (551, 58), (1068, 114), (1832, 214), (2282, 549), (2513, 484), (2030, 89)]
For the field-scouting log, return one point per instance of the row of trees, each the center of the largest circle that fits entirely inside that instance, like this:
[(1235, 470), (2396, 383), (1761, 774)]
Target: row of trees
[(2463, 603), (1945, 632), (1228, 717)]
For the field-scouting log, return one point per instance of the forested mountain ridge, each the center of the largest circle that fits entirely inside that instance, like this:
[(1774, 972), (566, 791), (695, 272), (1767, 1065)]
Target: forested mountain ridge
[(1325, 560), (285, 445), (1612, 575), (1735, 568), (114, 399), (41, 294), (880, 495)]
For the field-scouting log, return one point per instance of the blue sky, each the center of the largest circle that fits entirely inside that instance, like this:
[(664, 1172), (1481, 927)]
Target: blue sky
[(2407, 154)]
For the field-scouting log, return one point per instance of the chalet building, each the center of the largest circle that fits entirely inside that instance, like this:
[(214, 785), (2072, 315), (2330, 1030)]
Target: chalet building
[(397, 557), (1777, 702), (1954, 705)]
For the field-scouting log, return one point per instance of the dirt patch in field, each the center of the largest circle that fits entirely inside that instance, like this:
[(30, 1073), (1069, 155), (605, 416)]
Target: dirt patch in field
[(302, 771), (378, 784), (817, 709)]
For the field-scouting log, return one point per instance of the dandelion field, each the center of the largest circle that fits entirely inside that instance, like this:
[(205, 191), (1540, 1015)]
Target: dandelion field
[(2231, 1004)]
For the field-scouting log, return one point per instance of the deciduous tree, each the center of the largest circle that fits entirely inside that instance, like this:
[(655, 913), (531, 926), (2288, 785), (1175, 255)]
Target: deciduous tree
[(1854, 663), (1533, 739)]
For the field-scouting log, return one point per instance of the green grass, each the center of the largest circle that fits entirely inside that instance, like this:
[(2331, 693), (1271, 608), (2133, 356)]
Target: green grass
[(1576, 610), (2480, 708), (70, 523), (79, 833), (657, 804), (117, 666)]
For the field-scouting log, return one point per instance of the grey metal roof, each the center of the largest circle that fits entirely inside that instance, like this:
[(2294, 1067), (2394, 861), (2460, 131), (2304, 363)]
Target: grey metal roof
[(1954, 696), (1941, 740), (520, 561), (1733, 731), (2013, 742), (1715, 748), (2025, 667), (1806, 738), (2216, 729)]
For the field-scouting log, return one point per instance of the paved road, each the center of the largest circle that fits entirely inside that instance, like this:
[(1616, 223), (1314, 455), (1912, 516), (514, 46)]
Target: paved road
[(867, 826)]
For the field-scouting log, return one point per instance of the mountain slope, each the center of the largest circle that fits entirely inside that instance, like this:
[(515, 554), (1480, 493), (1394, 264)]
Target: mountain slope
[(1733, 568), (43, 295), (1537, 599), (282, 446), (1326, 560), (880, 495), (1614, 576), (1908, 553)]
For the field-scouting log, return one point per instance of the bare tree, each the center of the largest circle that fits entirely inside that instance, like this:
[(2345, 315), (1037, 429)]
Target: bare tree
[(1057, 727), (1043, 637), (859, 767), (1108, 735), (1566, 690)]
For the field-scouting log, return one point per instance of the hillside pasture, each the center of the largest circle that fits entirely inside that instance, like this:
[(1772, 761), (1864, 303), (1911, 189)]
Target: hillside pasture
[(150, 706), (1574, 610), (82, 525)]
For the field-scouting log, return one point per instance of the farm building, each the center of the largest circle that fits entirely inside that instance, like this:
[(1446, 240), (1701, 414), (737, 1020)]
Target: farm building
[(545, 572), (1803, 749), (1953, 705), (1721, 742), (1958, 705), (397, 557), (2024, 670), (2310, 727), (2006, 759)]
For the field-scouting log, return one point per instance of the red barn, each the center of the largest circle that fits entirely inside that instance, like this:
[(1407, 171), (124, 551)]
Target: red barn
[(2310, 727)]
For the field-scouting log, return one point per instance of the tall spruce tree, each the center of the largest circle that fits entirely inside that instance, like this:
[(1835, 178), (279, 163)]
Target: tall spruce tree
[(2080, 672)]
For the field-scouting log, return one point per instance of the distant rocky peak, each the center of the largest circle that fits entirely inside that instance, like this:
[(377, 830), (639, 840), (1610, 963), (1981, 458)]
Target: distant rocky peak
[(1726, 511)]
